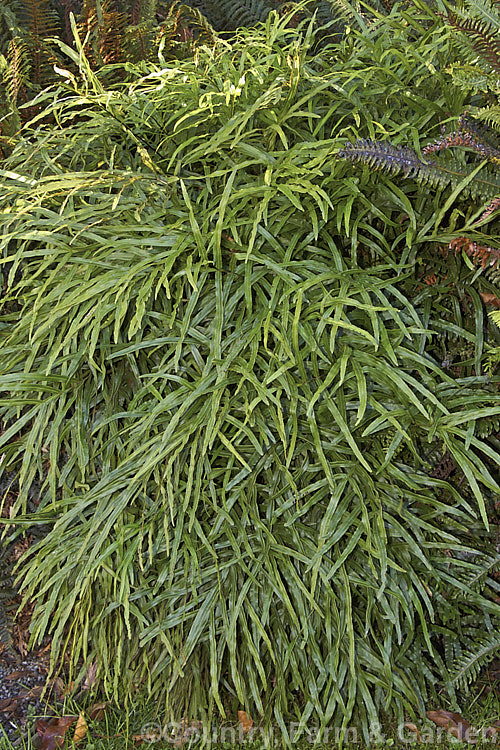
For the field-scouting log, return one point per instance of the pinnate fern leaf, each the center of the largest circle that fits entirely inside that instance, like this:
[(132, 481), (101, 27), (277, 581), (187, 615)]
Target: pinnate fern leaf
[(39, 18), (490, 115), (482, 36), (482, 649), (16, 75), (465, 138), (384, 156)]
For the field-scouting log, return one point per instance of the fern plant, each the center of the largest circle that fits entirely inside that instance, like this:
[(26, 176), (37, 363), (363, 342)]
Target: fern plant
[(477, 23), (480, 181)]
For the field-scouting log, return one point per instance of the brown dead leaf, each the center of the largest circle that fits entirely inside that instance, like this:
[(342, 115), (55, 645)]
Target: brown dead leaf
[(80, 729), (246, 723), (7, 705), (17, 675), (96, 712), (51, 732), (456, 725), (413, 728), (490, 299)]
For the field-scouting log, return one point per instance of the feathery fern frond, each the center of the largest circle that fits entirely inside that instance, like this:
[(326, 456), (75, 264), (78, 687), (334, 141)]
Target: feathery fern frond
[(477, 577), (39, 21), (7, 591), (139, 42), (16, 75), (38, 18), (398, 159), (385, 156), (228, 15), (143, 11), (9, 26), (473, 77), (184, 23), (105, 29), (480, 35), (479, 129), (490, 115), (487, 426), (328, 11), (481, 649)]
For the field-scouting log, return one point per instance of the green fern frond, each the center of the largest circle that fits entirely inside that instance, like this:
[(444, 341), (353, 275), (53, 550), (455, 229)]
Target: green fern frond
[(328, 11), (7, 592), (470, 77), (381, 155), (38, 18), (186, 23), (490, 115), (39, 22), (487, 426), (330, 18), (476, 577), (139, 42), (5, 628), (228, 15), (203, 32), (481, 650), (485, 11), (9, 26), (480, 130), (494, 315)]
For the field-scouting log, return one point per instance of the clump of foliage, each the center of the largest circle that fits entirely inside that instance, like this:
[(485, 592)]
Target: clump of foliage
[(215, 364), (31, 33), (465, 157)]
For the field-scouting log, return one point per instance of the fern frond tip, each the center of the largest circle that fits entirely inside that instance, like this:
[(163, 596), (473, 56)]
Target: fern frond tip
[(385, 156)]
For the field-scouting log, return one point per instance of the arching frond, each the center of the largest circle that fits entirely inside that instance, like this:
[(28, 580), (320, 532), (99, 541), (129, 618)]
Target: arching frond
[(404, 160), (481, 649), (481, 35)]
